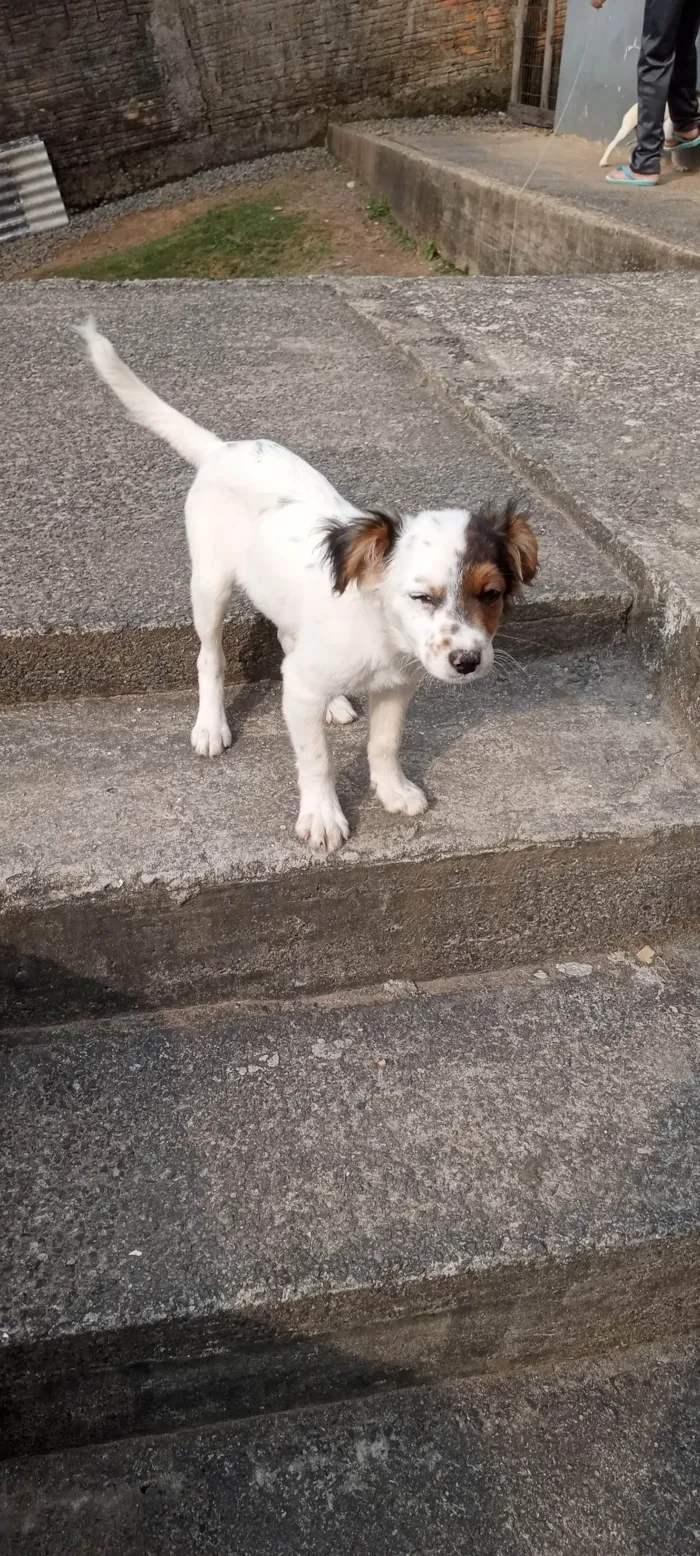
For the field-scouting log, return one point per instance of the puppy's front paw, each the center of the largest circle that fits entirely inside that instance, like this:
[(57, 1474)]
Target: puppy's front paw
[(211, 739), (340, 711), (322, 824), (399, 796)]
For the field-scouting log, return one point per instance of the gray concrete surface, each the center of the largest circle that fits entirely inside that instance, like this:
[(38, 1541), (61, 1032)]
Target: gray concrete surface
[(585, 385), (569, 1461), (94, 588), (214, 1212), (564, 811), (518, 203)]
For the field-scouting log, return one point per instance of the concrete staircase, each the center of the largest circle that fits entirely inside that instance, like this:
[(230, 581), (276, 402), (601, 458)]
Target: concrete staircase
[(408, 1138)]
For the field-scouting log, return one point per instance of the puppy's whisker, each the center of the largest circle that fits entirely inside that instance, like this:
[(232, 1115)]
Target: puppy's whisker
[(505, 668), (510, 635)]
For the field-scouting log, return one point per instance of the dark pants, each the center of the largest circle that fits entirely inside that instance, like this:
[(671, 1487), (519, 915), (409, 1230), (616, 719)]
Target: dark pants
[(667, 73)]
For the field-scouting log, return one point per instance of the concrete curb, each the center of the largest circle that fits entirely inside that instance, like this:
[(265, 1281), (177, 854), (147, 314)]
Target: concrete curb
[(472, 219)]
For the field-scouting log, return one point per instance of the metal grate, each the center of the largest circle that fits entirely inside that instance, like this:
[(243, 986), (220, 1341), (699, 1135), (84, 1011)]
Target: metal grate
[(539, 36), (30, 200)]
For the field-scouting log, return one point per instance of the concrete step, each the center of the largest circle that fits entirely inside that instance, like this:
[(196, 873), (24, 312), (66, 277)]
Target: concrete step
[(565, 814), (221, 1212), (94, 589), (570, 1460), (542, 368), (516, 203)]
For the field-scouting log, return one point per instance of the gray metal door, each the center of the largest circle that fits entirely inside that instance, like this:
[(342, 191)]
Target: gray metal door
[(607, 84)]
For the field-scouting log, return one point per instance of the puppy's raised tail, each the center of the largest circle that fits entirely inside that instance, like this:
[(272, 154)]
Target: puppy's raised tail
[(191, 442)]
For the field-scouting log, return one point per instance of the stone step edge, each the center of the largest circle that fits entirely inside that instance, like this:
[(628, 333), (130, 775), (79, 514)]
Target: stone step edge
[(552, 1449), (127, 661), (651, 878), (131, 661), (500, 1315)]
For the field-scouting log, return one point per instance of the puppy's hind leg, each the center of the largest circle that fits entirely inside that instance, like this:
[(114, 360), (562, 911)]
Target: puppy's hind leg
[(629, 124), (210, 597), (340, 710)]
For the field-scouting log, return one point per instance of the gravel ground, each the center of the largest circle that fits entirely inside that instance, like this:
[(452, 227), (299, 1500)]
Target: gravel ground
[(445, 124)]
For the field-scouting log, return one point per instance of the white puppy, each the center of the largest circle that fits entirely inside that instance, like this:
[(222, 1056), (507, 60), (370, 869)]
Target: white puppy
[(361, 601), (629, 124)]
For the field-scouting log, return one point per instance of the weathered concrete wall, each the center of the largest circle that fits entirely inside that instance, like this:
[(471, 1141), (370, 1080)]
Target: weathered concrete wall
[(488, 227), (604, 47), (132, 92)]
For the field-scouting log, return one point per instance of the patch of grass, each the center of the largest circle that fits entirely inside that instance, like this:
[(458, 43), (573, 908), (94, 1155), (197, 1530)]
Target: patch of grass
[(378, 210), (432, 253), (251, 238)]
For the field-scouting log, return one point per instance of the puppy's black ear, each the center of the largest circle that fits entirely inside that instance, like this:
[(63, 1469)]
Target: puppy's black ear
[(505, 537), (356, 549)]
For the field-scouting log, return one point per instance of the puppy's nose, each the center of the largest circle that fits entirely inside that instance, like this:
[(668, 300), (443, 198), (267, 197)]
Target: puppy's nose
[(465, 661)]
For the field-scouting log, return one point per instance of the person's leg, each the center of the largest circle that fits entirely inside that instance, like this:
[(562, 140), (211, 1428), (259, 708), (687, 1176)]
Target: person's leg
[(662, 19), (683, 87)]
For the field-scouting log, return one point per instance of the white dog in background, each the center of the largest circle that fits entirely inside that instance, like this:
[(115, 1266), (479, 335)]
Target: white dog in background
[(361, 601), (629, 124)]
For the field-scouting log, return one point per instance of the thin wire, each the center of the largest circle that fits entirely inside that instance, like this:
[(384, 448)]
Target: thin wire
[(543, 153)]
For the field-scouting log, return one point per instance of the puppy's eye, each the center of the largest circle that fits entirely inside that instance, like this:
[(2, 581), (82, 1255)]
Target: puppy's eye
[(490, 596), (425, 599)]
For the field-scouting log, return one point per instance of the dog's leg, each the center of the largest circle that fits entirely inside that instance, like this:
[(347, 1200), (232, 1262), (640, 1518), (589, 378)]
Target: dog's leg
[(321, 821), (340, 710), (387, 716), (211, 733), (629, 124)]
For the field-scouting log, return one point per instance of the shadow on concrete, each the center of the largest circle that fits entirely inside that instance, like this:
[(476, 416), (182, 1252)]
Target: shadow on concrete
[(582, 1459), (35, 990), (392, 1475), (579, 1455)]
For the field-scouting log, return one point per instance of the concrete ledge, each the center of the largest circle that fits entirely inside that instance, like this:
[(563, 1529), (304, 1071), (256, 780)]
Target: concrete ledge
[(559, 616), (36, 666), (571, 1460), (490, 227), (564, 814), (235, 1212)]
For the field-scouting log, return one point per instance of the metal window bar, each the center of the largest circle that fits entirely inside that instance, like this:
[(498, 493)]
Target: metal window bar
[(539, 32)]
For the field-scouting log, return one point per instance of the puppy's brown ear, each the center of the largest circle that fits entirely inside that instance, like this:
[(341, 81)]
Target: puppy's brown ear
[(521, 543), (356, 549)]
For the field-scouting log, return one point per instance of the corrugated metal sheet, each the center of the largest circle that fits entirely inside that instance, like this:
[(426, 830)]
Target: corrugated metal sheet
[(30, 200)]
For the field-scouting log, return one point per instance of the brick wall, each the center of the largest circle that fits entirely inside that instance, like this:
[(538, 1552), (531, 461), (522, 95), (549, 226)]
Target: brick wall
[(131, 92)]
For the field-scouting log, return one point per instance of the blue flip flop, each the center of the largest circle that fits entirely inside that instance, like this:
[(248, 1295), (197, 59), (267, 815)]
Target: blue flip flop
[(681, 145), (629, 177)]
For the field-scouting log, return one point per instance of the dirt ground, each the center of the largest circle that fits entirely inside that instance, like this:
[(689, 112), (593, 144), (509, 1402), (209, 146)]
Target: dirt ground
[(359, 245)]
